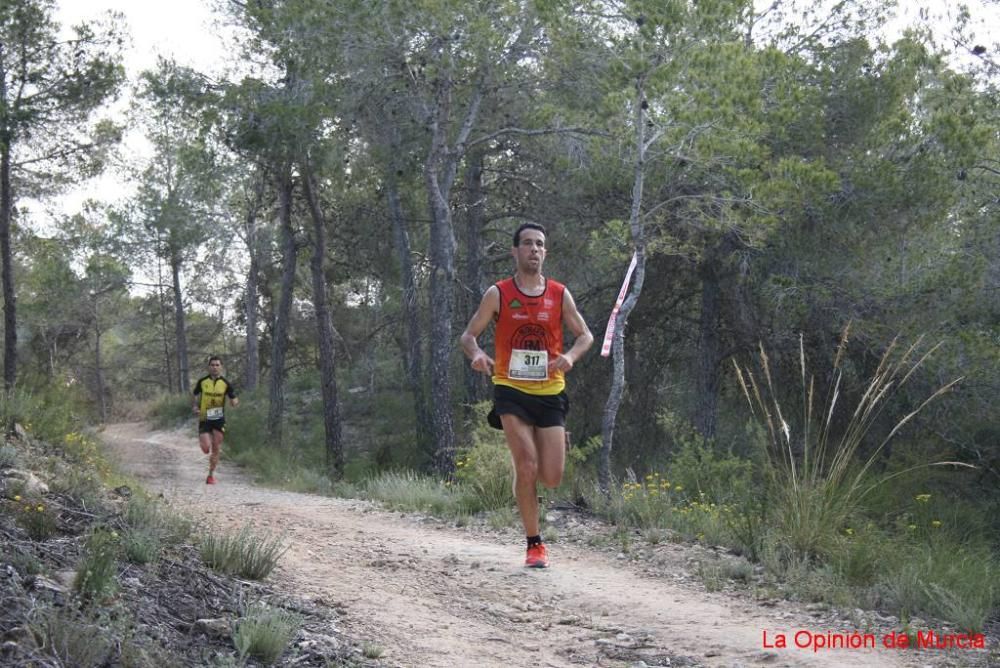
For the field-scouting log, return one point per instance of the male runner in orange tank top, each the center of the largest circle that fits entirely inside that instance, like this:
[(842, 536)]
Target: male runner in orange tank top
[(528, 373)]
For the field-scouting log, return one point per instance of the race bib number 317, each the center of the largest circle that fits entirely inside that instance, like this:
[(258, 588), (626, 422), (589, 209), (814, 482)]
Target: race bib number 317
[(529, 365)]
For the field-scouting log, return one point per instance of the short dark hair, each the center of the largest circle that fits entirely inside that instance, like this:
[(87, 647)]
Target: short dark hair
[(215, 358), (526, 226)]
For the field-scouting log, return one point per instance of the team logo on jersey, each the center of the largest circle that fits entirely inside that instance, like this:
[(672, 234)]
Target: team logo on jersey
[(515, 303), (529, 337)]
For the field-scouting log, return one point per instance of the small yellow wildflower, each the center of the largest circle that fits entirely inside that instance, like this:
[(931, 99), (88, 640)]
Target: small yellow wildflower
[(849, 531), (40, 508), (17, 497), (935, 523), (922, 498), (912, 527), (679, 488)]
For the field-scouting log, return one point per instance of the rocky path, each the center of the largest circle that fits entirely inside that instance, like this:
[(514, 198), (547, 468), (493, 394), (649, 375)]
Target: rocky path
[(429, 594)]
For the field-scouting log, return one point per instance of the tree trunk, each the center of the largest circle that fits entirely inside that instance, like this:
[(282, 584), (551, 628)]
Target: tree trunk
[(442, 255), (180, 329), (618, 342), (7, 257), (709, 352), (279, 344), (252, 376), (324, 327), (412, 355), (164, 330), (439, 175), (477, 385), (99, 373)]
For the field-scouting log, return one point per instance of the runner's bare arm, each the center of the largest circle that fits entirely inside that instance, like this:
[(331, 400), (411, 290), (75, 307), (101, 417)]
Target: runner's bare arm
[(489, 307), (578, 326)]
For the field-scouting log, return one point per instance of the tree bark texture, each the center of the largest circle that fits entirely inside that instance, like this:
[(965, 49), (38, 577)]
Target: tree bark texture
[(412, 350), (180, 328), (99, 373), (6, 254), (442, 254), (636, 229), (324, 330), (709, 352), (164, 330), (252, 372), (439, 176), (477, 385), (279, 343)]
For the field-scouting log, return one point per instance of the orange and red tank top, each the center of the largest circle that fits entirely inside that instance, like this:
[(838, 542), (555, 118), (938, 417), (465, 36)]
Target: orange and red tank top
[(528, 337)]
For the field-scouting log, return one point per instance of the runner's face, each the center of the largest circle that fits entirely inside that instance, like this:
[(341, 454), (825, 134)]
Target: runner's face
[(530, 251), (215, 368)]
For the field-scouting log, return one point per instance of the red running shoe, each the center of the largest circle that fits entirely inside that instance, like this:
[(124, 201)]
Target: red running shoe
[(210, 480), (538, 557)]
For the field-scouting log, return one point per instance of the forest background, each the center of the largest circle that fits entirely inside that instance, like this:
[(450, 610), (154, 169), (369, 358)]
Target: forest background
[(798, 194)]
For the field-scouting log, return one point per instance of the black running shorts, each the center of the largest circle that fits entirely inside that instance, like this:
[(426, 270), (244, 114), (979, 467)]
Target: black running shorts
[(208, 426), (537, 410)]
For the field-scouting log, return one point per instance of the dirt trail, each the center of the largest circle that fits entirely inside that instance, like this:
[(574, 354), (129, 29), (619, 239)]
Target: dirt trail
[(432, 595)]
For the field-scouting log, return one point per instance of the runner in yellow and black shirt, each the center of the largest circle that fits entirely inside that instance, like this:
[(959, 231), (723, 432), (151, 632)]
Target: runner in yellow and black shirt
[(210, 394)]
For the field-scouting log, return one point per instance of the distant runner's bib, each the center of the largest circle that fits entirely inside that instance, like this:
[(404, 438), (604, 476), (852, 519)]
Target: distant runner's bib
[(532, 365), (214, 413)]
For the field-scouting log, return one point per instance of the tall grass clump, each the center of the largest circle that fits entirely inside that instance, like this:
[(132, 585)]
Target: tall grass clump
[(244, 552), (815, 480), (407, 490), (265, 633), (96, 573)]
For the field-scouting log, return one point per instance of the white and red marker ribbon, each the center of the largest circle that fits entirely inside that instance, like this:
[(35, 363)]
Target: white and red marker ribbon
[(609, 333)]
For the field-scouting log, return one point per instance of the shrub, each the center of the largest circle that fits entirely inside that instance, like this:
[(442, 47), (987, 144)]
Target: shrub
[(264, 633), (82, 486), (410, 491), (484, 470), (95, 576), (814, 484), (142, 546), (35, 517), (171, 410), (146, 516), (8, 456), (243, 553), (71, 641)]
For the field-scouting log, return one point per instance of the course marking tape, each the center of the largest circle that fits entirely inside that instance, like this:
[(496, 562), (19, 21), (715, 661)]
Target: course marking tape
[(609, 333)]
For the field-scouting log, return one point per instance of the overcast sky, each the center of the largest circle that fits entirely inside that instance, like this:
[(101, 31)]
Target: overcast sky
[(180, 28), (188, 31)]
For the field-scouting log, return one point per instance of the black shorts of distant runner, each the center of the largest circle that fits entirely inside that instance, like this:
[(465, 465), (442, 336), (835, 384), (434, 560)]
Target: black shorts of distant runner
[(537, 410), (208, 426)]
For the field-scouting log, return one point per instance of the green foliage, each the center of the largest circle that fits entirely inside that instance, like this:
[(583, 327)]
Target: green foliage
[(944, 579), (410, 491), (69, 639), (265, 633), (245, 553), (814, 484), (35, 517), (96, 574), (141, 546), (153, 524), (484, 470), (48, 412), (8, 456), (171, 410)]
